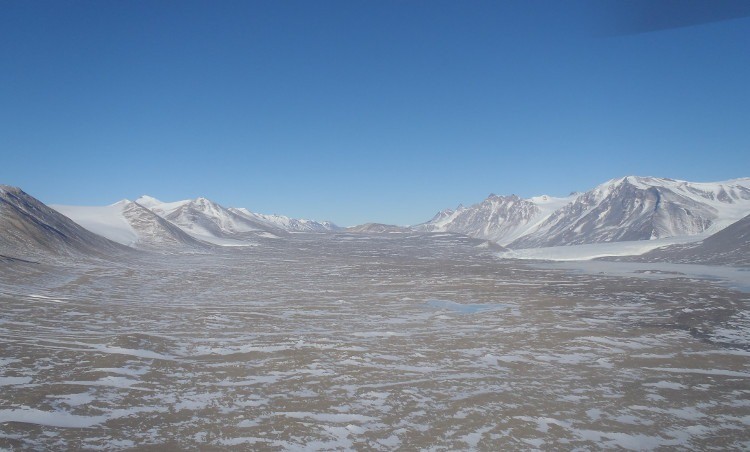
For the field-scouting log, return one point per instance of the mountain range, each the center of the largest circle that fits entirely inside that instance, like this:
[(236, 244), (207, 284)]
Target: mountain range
[(625, 209), (712, 215), (195, 223), (209, 221)]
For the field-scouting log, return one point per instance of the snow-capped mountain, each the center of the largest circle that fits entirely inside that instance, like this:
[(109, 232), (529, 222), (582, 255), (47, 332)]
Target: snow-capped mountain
[(620, 210), (642, 208), (28, 228), (624, 209), (286, 223), (501, 219), (131, 224), (211, 222)]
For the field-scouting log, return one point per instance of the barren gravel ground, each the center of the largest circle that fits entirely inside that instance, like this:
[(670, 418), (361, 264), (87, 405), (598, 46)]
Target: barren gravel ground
[(368, 342)]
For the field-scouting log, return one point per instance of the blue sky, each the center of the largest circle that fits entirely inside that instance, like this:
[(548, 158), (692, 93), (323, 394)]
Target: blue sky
[(360, 111)]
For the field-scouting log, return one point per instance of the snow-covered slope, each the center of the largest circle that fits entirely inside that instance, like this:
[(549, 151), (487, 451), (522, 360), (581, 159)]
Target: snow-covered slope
[(286, 223), (211, 222), (642, 208), (498, 218), (131, 224), (28, 228)]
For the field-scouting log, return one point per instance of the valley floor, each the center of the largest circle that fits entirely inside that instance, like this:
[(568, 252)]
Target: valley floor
[(380, 342)]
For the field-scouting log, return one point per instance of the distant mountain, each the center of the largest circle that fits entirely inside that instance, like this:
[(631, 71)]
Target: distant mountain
[(286, 223), (624, 209), (149, 223), (28, 229), (131, 224), (642, 208), (377, 228), (501, 219), (211, 222), (730, 246)]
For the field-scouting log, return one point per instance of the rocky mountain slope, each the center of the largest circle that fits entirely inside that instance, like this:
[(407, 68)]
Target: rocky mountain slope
[(730, 246), (29, 229)]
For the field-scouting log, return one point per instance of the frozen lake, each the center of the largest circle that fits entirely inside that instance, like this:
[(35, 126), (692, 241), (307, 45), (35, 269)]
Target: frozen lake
[(339, 341)]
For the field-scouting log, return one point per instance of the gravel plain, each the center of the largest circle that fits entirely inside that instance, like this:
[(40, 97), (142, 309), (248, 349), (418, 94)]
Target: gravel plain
[(367, 342)]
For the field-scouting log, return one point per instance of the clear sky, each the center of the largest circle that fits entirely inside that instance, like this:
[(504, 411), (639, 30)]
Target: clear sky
[(360, 111)]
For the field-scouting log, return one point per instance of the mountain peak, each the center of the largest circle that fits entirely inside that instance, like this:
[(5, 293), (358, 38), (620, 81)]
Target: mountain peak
[(148, 201), (203, 202)]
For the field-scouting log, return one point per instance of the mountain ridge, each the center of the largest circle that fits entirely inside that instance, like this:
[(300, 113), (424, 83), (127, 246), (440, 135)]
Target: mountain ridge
[(131, 224), (286, 223)]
